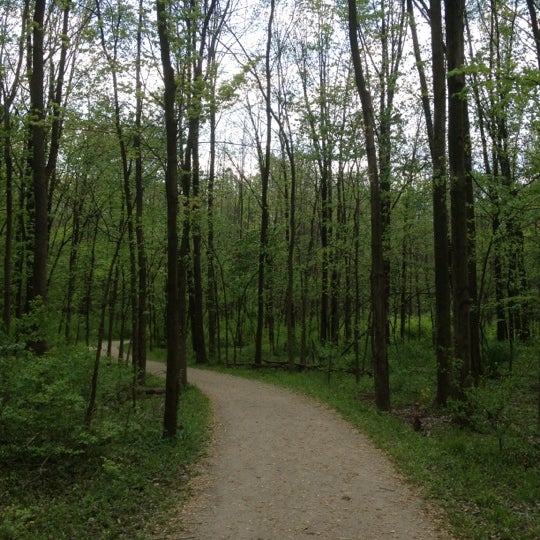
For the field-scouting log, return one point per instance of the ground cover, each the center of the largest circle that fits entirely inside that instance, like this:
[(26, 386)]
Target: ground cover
[(116, 480)]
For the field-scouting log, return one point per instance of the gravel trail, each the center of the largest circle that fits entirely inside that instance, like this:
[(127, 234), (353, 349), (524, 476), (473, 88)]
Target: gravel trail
[(283, 467)]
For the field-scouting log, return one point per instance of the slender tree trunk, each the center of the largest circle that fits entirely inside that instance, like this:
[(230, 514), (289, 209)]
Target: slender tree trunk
[(142, 290), (457, 140), (21, 269), (378, 273), (183, 270), (89, 284), (404, 276), (8, 246), (90, 409), (191, 191), (265, 180), (197, 329), (436, 126), (535, 27), (57, 104), (211, 294), (38, 283), (126, 184), (73, 259), (172, 381), (9, 95), (291, 243), (326, 227), (357, 297), (291, 326), (476, 359), (392, 49)]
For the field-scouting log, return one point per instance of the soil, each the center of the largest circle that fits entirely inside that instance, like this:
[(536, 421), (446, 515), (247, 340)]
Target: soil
[(284, 467)]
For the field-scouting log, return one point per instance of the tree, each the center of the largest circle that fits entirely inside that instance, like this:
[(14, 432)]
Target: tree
[(113, 61), (436, 131), (37, 142), (458, 138), (174, 344), (8, 94), (535, 27), (264, 164), (378, 267), (141, 311)]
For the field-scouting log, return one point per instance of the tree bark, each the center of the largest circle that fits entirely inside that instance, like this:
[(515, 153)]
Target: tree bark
[(457, 139), (265, 180), (172, 380), (57, 104), (535, 28), (378, 273), (436, 128), (38, 284), (8, 247), (142, 277), (212, 294), (9, 95)]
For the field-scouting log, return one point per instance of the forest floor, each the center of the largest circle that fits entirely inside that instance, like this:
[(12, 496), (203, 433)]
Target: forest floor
[(281, 467)]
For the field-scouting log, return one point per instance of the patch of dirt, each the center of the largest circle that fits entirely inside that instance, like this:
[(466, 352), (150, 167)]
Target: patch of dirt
[(421, 419), (283, 467)]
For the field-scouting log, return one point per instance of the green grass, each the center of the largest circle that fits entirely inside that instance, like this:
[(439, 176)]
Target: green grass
[(119, 479), (486, 475)]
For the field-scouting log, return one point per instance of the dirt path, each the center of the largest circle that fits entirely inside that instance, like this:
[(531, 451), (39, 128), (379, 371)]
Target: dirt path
[(282, 467)]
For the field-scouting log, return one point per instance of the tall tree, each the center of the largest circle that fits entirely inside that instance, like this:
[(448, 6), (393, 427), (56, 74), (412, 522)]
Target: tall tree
[(458, 139), (142, 290), (172, 382), (8, 93), (378, 267), (264, 164), (112, 53), (40, 209), (392, 37), (436, 129)]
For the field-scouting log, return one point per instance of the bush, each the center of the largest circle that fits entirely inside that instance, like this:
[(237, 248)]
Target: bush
[(59, 479), (42, 405)]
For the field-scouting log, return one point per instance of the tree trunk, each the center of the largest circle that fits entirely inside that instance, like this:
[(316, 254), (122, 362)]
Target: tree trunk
[(9, 94), (211, 293), (476, 360), (8, 247), (57, 104), (535, 27), (90, 409), (378, 270), (38, 283), (265, 180), (142, 278), (126, 184), (457, 139), (172, 380), (392, 49), (436, 127)]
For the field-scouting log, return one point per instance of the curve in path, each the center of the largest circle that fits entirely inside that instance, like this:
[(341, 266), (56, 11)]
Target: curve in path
[(283, 467)]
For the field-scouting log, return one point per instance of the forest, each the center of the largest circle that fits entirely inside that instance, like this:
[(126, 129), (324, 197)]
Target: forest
[(346, 191)]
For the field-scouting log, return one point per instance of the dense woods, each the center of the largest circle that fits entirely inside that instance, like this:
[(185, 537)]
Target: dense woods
[(296, 184)]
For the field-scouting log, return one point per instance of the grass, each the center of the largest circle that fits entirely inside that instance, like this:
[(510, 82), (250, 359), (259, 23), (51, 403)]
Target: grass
[(119, 479), (483, 472)]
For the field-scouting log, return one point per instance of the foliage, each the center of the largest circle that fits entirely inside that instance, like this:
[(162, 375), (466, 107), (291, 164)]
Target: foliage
[(58, 479)]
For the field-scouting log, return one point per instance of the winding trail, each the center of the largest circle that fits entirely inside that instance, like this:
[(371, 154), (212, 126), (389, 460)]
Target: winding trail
[(283, 467)]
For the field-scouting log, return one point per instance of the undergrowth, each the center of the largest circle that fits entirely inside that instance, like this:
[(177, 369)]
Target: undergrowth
[(480, 461), (59, 479)]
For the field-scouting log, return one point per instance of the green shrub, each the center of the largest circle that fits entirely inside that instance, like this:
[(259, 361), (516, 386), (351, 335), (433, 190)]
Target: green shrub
[(59, 479)]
